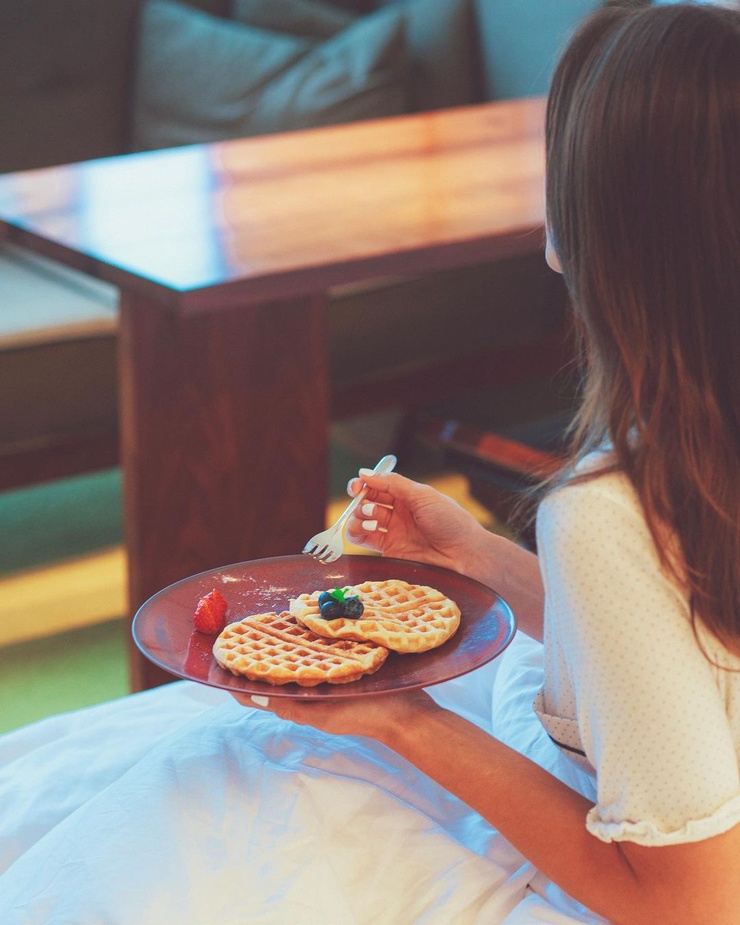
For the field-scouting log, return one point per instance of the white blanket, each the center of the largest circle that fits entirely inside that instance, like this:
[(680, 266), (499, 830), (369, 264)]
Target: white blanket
[(180, 807)]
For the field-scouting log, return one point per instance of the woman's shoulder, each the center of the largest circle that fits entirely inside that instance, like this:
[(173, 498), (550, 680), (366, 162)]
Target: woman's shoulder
[(595, 485), (594, 512)]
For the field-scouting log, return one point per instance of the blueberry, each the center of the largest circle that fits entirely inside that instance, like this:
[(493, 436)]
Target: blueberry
[(324, 597), (331, 609), (353, 608)]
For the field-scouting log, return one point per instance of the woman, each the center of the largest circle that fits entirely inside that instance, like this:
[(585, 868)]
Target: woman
[(618, 796), (637, 594)]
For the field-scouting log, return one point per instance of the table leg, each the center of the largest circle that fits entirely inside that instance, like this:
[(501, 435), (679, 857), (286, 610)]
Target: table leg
[(224, 427)]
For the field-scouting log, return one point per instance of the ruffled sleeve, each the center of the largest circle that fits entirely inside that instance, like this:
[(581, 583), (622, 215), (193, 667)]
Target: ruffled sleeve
[(647, 832)]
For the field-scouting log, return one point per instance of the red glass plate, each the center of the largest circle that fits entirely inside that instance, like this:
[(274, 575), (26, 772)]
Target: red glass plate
[(163, 626)]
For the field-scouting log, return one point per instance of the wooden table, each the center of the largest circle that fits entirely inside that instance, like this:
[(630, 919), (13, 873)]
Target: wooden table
[(224, 254)]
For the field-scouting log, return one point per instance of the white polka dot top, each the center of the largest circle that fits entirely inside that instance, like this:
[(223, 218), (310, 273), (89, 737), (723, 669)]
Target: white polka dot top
[(628, 693)]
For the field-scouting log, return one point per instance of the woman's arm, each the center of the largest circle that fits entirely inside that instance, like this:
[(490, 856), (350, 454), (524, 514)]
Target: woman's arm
[(511, 571), (687, 884)]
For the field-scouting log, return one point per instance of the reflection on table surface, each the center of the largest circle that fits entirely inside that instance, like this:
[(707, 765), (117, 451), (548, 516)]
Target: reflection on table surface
[(201, 216)]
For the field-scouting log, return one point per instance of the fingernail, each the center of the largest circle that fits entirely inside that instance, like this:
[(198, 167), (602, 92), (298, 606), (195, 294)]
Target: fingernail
[(365, 472), (369, 526), (367, 509), (260, 701)]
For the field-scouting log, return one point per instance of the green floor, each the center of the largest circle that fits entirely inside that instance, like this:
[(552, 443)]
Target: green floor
[(44, 524), (61, 519), (69, 671)]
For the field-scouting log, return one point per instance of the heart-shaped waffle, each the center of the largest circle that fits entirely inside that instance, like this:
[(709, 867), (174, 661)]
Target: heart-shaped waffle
[(272, 647), (400, 616)]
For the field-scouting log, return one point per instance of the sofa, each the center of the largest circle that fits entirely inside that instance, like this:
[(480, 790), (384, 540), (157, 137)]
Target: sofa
[(86, 79)]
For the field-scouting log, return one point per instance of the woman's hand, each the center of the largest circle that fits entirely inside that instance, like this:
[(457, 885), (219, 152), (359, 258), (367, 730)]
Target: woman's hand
[(380, 717), (409, 520)]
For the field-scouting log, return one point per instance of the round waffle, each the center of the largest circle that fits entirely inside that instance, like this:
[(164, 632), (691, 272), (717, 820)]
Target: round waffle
[(397, 615), (274, 648)]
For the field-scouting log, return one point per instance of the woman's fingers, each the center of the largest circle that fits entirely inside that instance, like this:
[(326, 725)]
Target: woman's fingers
[(355, 486), (387, 504), (306, 712), (382, 488), (275, 705), (374, 516), (367, 531)]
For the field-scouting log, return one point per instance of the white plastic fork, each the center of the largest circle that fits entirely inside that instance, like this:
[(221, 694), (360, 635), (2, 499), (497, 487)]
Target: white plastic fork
[(328, 545)]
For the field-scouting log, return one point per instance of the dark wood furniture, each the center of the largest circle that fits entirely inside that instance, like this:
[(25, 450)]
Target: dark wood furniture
[(504, 467), (224, 255)]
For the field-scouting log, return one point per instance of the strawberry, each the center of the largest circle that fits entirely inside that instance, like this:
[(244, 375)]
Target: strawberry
[(210, 613)]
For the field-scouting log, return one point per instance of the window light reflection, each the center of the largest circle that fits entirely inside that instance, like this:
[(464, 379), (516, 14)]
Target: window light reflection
[(166, 231)]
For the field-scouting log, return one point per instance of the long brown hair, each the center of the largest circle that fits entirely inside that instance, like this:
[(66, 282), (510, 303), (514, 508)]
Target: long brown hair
[(643, 205)]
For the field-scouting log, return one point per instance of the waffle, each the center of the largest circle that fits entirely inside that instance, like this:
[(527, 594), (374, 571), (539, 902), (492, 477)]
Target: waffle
[(274, 648), (398, 615)]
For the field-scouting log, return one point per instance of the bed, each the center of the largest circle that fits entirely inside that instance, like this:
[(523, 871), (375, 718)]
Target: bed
[(178, 806)]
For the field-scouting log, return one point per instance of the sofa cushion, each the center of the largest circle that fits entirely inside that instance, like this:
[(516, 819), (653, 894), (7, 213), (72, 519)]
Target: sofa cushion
[(357, 6), (308, 18), (443, 46), (440, 38), (202, 79), (520, 42)]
